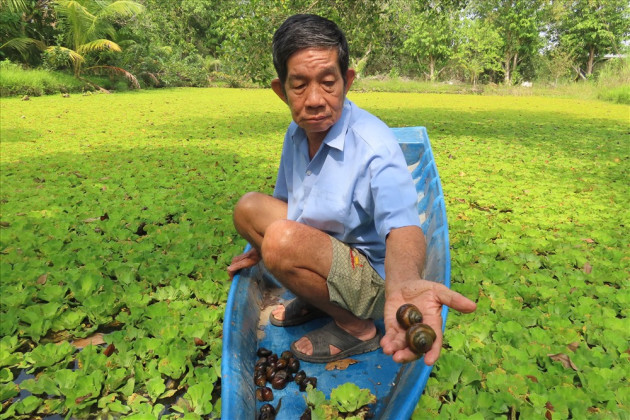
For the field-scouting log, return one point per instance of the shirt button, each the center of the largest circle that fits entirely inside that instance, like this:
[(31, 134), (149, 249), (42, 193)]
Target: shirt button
[(308, 173)]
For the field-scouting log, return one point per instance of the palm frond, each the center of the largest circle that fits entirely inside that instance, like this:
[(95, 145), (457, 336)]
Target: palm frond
[(75, 58), (116, 70), (24, 46), (78, 18), (121, 8), (99, 45), (16, 6)]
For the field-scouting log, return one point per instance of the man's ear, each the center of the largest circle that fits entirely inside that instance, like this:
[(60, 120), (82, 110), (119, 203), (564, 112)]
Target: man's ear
[(277, 87), (350, 75)]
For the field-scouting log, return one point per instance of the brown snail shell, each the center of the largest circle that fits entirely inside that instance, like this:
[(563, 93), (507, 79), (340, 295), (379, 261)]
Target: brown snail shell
[(264, 394), (270, 372), (280, 379), (260, 379), (294, 365), (420, 338), (287, 354), (408, 315), (299, 377), (309, 380), (282, 364), (267, 412), (263, 352)]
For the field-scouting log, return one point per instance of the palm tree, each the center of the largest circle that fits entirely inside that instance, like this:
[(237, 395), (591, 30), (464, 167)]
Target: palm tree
[(89, 27), (19, 38)]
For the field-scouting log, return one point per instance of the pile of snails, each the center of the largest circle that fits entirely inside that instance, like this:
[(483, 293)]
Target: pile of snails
[(420, 337), (277, 371)]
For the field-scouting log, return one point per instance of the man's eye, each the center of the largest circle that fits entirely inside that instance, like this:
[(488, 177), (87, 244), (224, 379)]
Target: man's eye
[(329, 83)]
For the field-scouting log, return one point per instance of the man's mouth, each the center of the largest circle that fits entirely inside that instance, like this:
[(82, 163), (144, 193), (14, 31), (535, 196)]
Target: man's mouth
[(317, 119)]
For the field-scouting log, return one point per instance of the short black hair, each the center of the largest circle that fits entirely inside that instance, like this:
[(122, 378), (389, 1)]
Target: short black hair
[(308, 31)]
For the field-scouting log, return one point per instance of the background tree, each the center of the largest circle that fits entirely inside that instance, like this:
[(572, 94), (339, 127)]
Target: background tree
[(89, 26), (431, 36), (589, 29), (519, 24), (26, 28), (479, 48)]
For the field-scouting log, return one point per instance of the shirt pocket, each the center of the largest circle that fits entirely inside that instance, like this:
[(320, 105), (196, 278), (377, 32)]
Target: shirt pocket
[(325, 210)]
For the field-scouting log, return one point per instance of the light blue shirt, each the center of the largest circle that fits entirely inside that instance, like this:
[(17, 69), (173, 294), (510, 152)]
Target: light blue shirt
[(357, 186)]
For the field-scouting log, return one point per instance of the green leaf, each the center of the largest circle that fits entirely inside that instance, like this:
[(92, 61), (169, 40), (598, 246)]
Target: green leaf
[(155, 387), (43, 385), (200, 398), (8, 390), (47, 355), (28, 404), (52, 293), (314, 397), (6, 375), (348, 397)]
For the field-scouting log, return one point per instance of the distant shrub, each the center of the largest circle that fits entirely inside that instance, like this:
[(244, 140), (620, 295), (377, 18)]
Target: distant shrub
[(14, 80), (620, 95), (56, 58)]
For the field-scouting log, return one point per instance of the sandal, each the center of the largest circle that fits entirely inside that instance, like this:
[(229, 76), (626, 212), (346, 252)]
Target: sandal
[(331, 333), (296, 312)]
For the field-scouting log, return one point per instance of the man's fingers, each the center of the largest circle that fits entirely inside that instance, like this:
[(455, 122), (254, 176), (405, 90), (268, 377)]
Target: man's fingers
[(456, 301), (393, 342), (242, 263)]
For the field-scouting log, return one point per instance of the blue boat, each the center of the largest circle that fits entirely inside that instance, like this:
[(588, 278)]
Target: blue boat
[(255, 292)]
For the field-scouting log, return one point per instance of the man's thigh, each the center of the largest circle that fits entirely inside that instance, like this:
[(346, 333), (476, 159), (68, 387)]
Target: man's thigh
[(353, 284)]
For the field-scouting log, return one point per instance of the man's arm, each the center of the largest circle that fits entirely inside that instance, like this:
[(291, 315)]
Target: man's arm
[(404, 262)]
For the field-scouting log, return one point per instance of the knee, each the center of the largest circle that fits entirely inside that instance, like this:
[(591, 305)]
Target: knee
[(245, 207), (279, 244)]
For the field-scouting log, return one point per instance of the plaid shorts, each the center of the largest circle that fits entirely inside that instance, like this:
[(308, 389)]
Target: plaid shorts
[(353, 284)]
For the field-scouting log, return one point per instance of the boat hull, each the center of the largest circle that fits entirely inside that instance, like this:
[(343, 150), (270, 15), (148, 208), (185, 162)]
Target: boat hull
[(255, 292)]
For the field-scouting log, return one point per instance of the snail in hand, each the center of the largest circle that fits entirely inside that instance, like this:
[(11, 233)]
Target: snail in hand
[(407, 315), (420, 337)]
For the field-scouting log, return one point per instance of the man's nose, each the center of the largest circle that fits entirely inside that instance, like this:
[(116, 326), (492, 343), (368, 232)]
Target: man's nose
[(314, 97)]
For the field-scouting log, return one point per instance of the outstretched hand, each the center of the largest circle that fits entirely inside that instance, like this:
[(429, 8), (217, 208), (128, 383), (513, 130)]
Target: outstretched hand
[(244, 260), (429, 297)]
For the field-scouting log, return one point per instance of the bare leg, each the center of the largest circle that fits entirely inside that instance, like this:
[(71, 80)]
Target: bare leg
[(254, 212), (299, 256)]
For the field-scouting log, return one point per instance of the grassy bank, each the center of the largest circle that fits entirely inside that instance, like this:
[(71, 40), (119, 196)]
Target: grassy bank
[(15, 81), (115, 226)]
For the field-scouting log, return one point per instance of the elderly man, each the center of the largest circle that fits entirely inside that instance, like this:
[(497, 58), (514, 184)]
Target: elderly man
[(341, 230)]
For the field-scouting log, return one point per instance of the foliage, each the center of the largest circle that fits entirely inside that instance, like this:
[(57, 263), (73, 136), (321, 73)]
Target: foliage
[(432, 37), (478, 49), (620, 95), (519, 23), (347, 401), (89, 26), (116, 227), (194, 42), (589, 29), (16, 81)]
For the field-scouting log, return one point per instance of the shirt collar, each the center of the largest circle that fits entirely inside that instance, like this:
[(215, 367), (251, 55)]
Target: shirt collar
[(337, 134)]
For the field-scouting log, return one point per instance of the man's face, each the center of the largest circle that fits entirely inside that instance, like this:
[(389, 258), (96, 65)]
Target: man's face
[(314, 90)]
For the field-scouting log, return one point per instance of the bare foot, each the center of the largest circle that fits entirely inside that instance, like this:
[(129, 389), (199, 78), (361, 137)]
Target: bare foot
[(278, 312), (363, 330)]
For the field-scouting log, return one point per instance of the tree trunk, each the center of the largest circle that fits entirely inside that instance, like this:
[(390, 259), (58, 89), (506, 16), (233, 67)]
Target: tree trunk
[(506, 65), (591, 59), (514, 63), (431, 68)]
